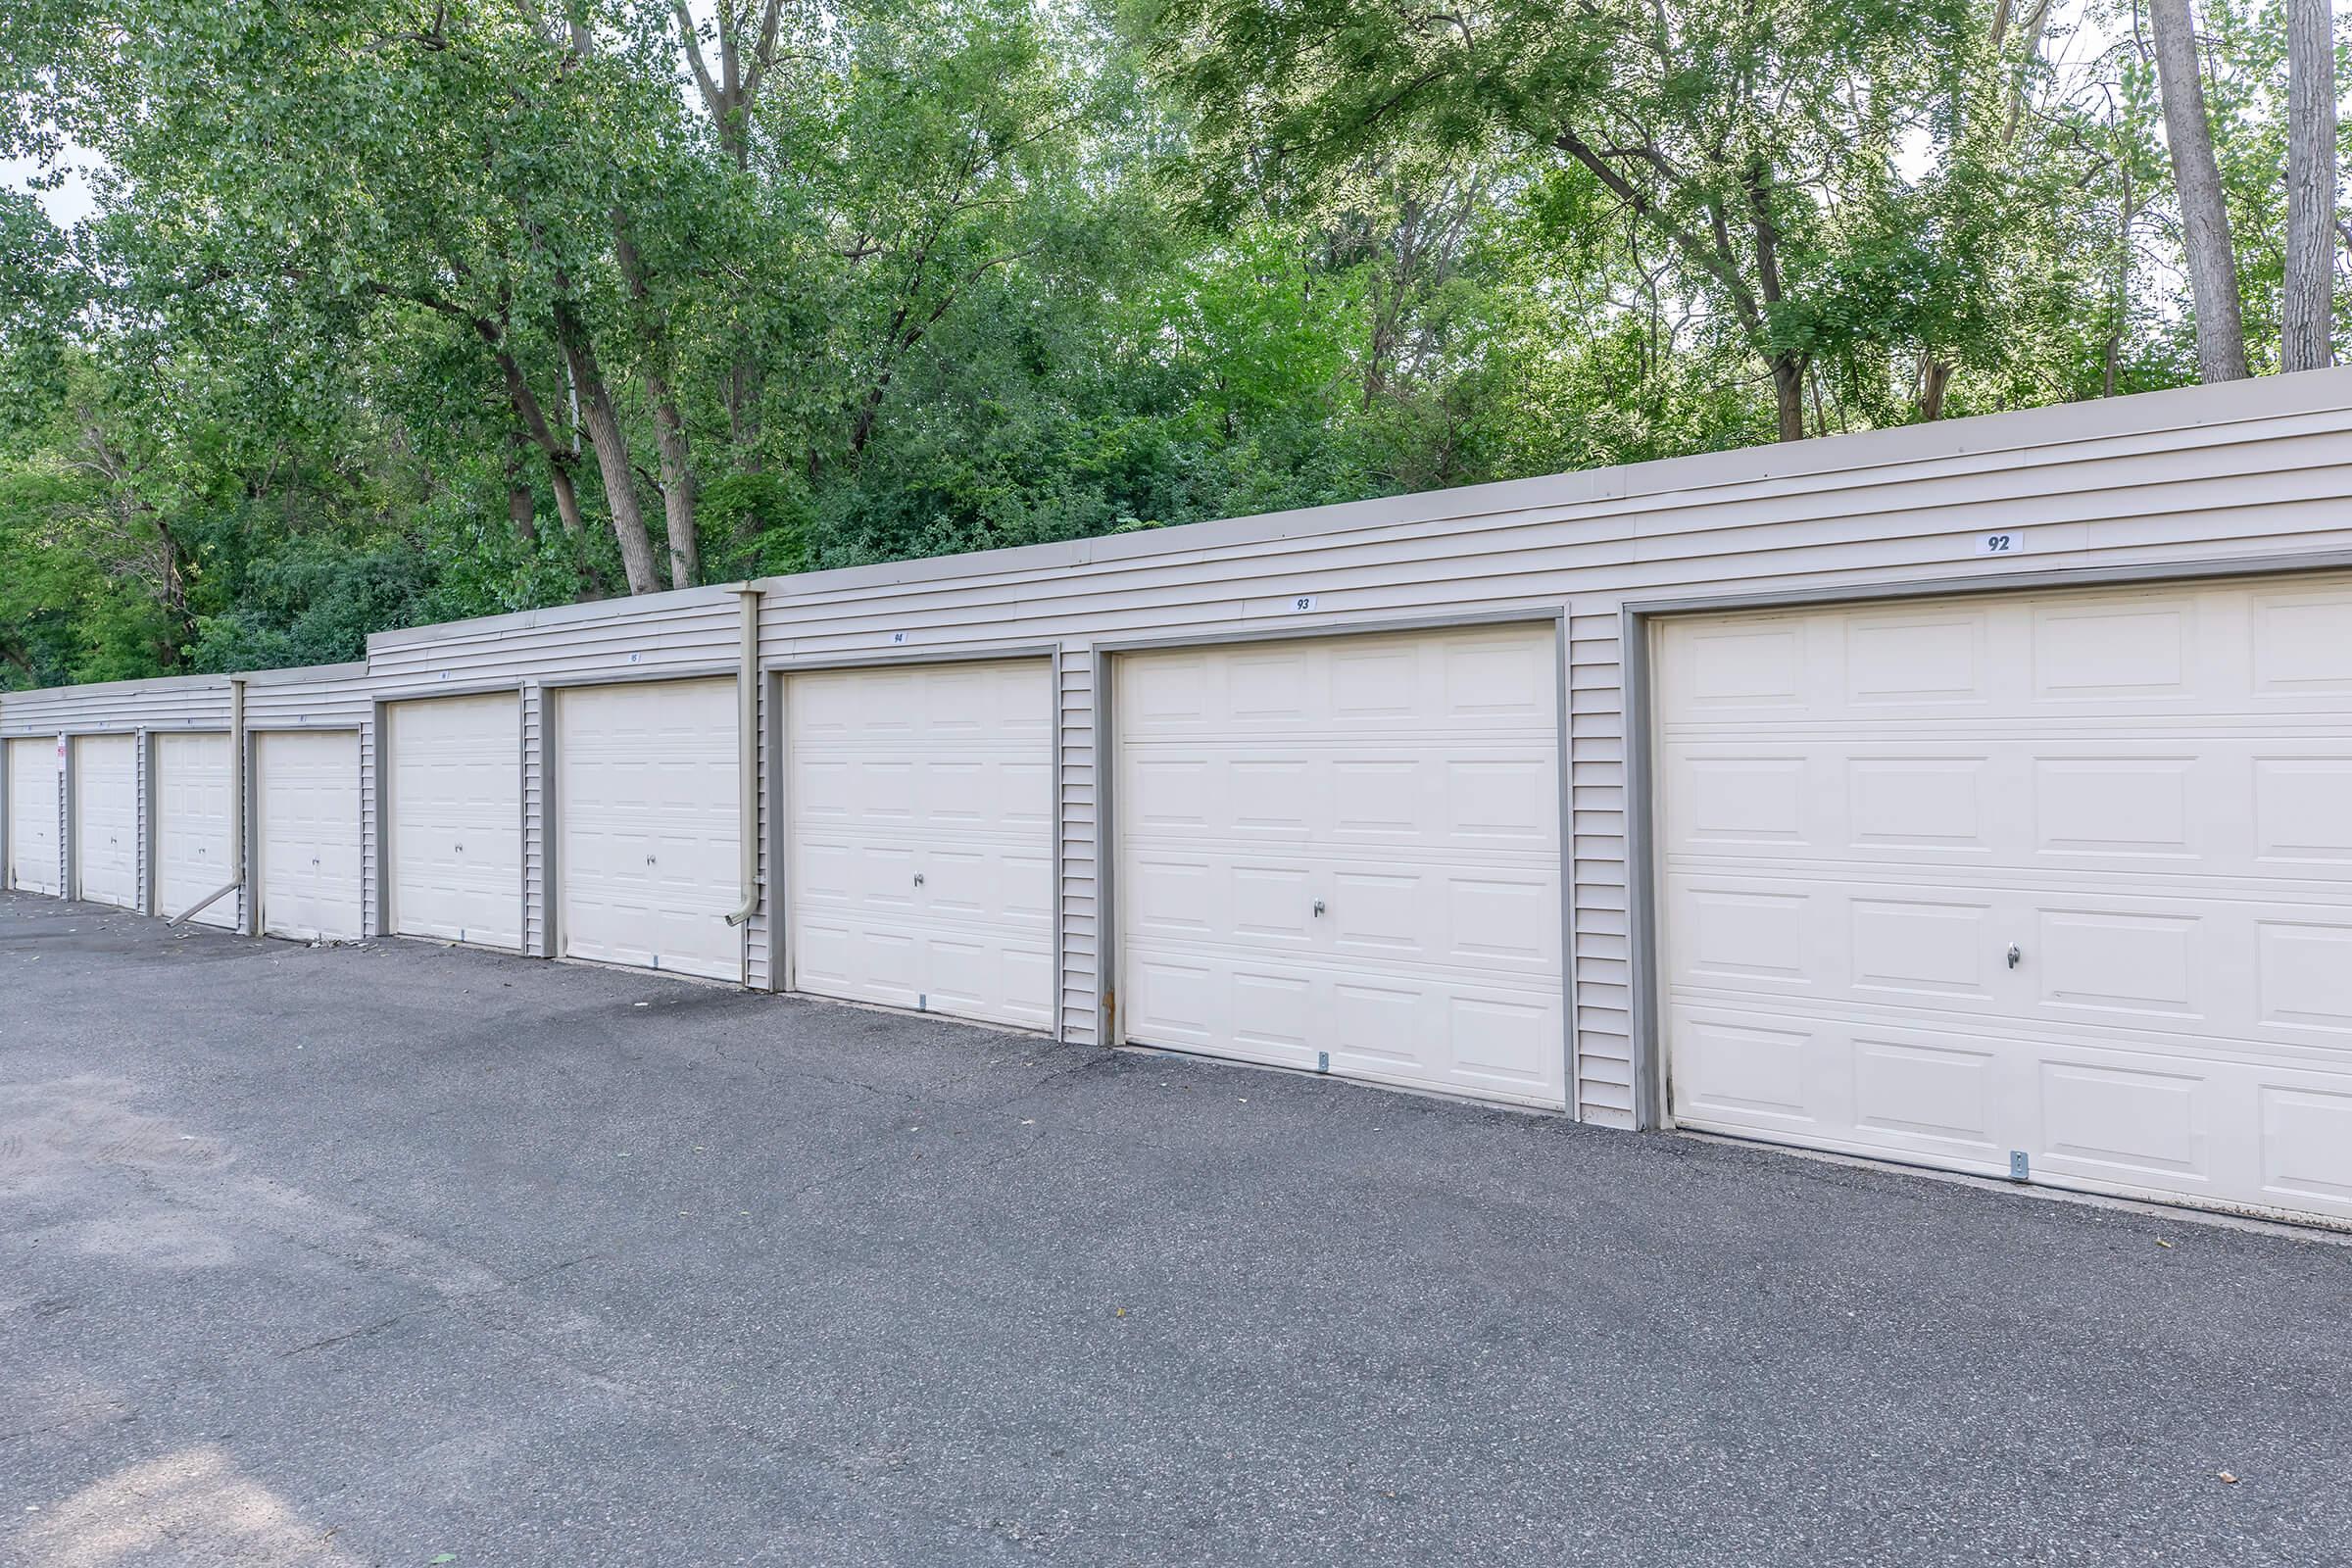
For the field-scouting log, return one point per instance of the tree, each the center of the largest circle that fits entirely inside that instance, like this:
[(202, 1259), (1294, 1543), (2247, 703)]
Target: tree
[(2308, 309), (2205, 222), (1754, 142), (380, 287)]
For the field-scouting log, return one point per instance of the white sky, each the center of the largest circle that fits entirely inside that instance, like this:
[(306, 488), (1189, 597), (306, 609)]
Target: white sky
[(71, 202)]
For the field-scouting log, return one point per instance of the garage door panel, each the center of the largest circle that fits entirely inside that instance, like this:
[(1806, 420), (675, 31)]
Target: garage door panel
[(456, 818), (1871, 1084), (2307, 1142), (2302, 645), (2299, 820), (1926, 1092), (106, 819), (649, 858), (1345, 852), (2207, 802), (2247, 976), (2303, 976), (1427, 1030), (194, 795), (920, 804), (308, 838), (34, 804), (920, 966), (2144, 792)]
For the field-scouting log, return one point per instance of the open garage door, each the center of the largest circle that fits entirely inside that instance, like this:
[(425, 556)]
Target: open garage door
[(921, 817), (195, 791), (106, 819), (35, 804), (454, 811), (1344, 853), (2057, 885), (306, 784), (646, 805)]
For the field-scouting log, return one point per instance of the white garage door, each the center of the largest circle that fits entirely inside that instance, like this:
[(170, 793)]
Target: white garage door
[(2145, 796), (34, 806), (646, 799), (454, 804), (193, 792), (922, 853), (106, 819), (1345, 852), (308, 786)]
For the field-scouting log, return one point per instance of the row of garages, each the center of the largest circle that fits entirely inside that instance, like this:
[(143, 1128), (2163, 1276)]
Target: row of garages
[(1737, 817)]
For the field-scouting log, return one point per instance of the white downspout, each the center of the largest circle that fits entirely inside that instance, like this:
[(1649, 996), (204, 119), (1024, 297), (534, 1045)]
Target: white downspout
[(747, 748), (237, 803)]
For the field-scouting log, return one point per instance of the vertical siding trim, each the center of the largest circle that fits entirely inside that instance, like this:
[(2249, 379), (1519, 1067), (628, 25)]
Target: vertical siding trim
[(1605, 1047), (69, 762), (249, 803), (550, 827), (375, 829), (371, 881), (780, 936), (1059, 827), (1646, 1061), (530, 710), (1572, 1036), (1078, 717), (775, 825), (523, 928), (142, 890), (757, 970)]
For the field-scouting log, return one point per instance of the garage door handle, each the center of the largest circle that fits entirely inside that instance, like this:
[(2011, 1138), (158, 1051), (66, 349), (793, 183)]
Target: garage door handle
[(1318, 907), (2015, 953), (919, 879)]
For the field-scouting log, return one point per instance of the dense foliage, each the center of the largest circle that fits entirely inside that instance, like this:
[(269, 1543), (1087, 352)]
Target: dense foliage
[(403, 310)]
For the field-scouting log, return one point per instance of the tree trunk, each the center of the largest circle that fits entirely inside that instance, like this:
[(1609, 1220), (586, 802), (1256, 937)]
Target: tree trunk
[(2308, 305), (2122, 316), (2205, 223), (568, 496), (1788, 391), (1936, 373), (1934, 377), (611, 453), (559, 458), (677, 484), (522, 506), (669, 427)]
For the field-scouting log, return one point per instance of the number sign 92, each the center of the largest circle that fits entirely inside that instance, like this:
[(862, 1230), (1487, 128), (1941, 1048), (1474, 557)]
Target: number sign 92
[(2007, 542)]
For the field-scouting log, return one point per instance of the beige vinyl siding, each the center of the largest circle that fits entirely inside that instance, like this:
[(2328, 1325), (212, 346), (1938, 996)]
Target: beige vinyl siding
[(690, 632), (140, 709), (759, 967), (175, 702), (1076, 763), (2257, 471), (534, 761)]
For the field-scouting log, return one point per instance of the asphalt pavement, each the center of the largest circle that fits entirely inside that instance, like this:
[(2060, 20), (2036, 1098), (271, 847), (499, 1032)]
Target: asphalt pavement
[(400, 1254)]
